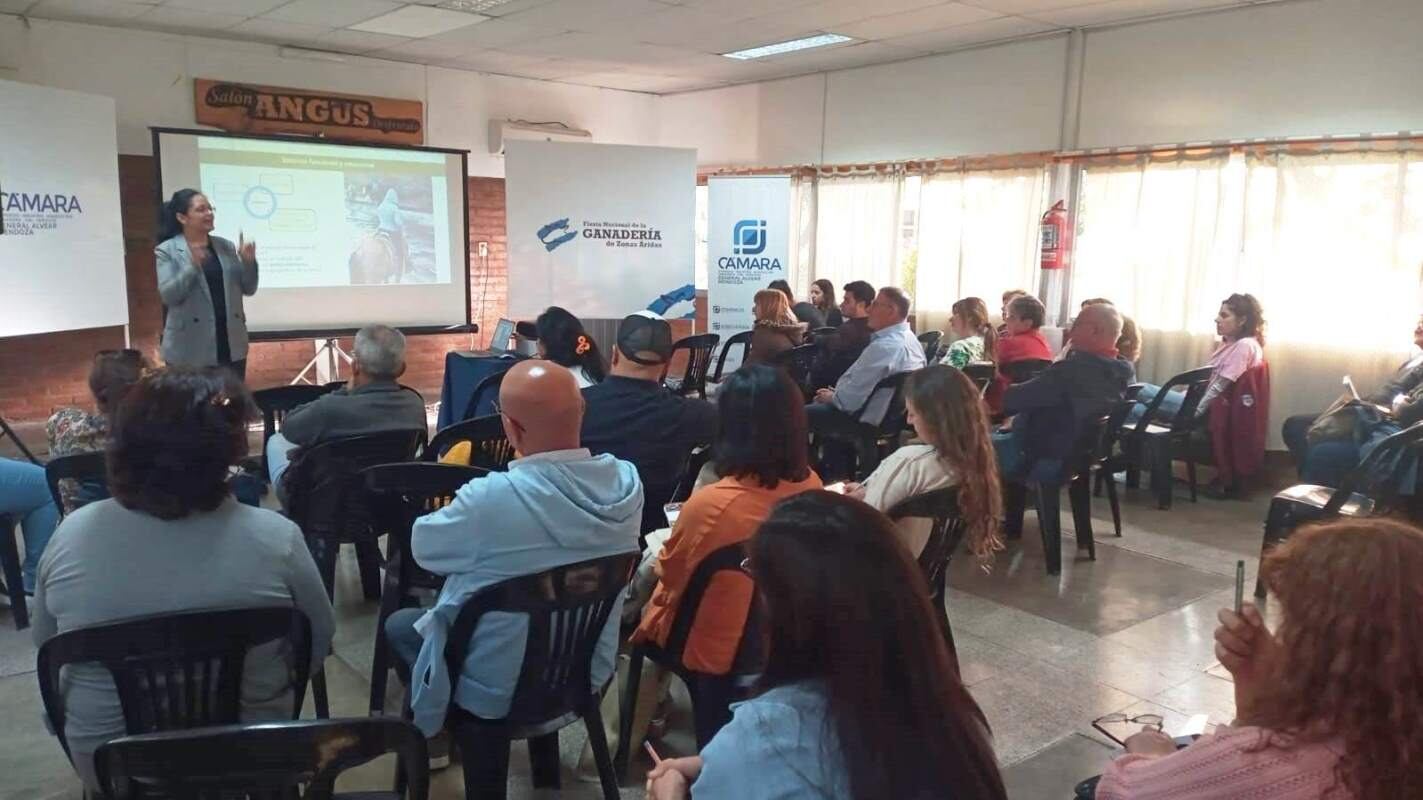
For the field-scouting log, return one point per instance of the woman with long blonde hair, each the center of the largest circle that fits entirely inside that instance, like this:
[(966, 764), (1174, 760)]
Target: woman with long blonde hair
[(956, 450), (776, 330), (1327, 706), (975, 338)]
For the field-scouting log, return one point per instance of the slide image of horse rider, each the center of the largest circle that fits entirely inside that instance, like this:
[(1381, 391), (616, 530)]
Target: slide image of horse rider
[(397, 215)]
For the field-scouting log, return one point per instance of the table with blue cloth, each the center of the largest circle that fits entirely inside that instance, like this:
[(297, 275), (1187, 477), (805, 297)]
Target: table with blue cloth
[(464, 370)]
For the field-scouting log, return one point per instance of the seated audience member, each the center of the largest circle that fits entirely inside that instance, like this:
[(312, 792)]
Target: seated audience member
[(858, 697), (372, 402), (822, 296), (72, 431), (632, 416), (761, 458), (1048, 411), (25, 497), (172, 540), (563, 341), (557, 504), (1008, 297), (850, 339), (804, 312), (1240, 324), (1328, 705), (1334, 453), (1024, 342), (948, 418), (1128, 345), (893, 349), (974, 336), (776, 329)]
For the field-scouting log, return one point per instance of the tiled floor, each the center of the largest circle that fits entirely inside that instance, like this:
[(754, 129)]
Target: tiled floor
[(1042, 655)]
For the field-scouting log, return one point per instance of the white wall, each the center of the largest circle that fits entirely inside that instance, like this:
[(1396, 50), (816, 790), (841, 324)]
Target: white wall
[(1289, 69), (150, 77)]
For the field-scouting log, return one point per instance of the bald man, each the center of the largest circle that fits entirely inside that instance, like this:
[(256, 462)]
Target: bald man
[(1048, 411), (556, 505)]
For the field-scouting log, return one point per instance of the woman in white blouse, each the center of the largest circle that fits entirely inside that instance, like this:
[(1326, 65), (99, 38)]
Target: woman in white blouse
[(954, 450)]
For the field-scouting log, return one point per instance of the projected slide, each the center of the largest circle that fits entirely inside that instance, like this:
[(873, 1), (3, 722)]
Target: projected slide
[(329, 216)]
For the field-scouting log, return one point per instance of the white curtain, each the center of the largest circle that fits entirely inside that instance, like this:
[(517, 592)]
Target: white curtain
[(1331, 246), (978, 236), (857, 229)]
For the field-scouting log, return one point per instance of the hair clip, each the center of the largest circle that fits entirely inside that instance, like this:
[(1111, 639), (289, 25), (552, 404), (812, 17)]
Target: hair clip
[(583, 345)]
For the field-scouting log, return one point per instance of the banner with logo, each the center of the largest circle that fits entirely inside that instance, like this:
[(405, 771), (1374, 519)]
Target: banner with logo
[(61, 238), (748, 246), (601, 230), (245, 108)]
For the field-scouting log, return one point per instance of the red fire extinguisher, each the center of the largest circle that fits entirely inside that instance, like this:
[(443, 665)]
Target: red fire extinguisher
[(1055, 237)]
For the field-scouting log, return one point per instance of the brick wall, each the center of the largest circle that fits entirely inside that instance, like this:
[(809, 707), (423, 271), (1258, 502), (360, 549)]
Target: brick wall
[(41, 373)]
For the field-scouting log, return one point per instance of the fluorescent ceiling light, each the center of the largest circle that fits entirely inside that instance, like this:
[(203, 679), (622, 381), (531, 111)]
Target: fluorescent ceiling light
[(818, 40), (472, 6)]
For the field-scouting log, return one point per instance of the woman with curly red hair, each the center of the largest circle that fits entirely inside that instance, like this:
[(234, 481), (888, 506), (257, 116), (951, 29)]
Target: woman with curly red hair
[(1328, 706)]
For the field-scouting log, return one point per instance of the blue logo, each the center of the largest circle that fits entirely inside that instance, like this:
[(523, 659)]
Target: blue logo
[(748, 238), (556, 233)]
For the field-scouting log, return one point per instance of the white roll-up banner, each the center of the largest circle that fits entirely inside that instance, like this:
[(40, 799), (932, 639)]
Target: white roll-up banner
[(748, 246), (601, 230), (61, 237)]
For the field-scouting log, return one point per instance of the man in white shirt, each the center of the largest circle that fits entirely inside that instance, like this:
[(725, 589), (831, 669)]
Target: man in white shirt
[(893, 349)]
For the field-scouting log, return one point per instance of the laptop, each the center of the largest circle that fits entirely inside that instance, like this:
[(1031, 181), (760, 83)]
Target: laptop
[(503, 332)]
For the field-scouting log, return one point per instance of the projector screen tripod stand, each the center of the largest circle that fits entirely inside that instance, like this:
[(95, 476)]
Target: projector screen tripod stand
[(333, 353)]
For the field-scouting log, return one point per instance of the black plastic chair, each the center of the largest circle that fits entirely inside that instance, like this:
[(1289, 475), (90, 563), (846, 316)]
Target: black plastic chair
[(821, 334), (931, 341), (981, 373), (1108, 461), (88, 470), (487, 387), (397, 495), (699, 355), (712, 695), (567, 608), (10, 570), (696, 459), (941, 506), (742, 340), (176, 671), (263, 761), (274, 404), (1076, 474), (489, 446), (873, 442), (7, 431), (1025, 370), (1368, 490), (1160, 442), (799, 362)]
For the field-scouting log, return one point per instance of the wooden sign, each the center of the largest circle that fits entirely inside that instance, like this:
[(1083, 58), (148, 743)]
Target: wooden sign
[(244, 108)]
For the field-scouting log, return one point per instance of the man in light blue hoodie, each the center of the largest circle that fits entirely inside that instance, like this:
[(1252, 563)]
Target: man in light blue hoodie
[(557, 505)]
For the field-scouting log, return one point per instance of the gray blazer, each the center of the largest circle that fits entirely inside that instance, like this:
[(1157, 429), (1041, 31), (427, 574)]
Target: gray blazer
[(189, 330)]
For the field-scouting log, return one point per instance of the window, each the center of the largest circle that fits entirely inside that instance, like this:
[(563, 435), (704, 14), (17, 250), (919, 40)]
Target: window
[(857, 229), (700, 258), (978, 235)]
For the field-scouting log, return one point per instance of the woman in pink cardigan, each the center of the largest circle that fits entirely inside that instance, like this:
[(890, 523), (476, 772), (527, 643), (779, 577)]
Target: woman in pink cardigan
[(1331, 705)]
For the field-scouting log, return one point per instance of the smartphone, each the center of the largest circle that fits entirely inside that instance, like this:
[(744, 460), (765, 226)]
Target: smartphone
[(837, 488), (1239, 584)]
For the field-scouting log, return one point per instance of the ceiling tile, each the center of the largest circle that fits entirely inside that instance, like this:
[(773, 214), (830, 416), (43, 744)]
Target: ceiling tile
[(992, 30), (427, 49), (498, 61), (16, 6), (916, 21), (826, 14), (332, 13), (418, 21), (494, 34), (504, 10), (732, 10), (349, 41), (272, 30), (83, 10), (671, 25), (576, 15), (598, 47), (632, 82), (1123, 10), (242, 8), (186, 20), (739, 36), (1024, 6)]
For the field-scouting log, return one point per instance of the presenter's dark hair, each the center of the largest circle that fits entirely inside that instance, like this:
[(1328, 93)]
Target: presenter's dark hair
[(179, 203), (763, 427), (174, 436), (847, 609), (567, 344)]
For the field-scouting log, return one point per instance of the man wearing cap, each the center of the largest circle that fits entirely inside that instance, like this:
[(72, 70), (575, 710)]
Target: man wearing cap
[(631, 415)]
